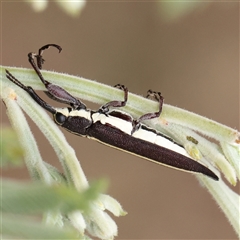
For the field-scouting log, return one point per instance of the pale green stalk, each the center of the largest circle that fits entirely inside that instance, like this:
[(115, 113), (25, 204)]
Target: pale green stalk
[(226, 198), (33, 159)]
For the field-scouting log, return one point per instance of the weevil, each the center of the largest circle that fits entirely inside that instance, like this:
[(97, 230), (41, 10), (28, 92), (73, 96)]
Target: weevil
[(110, 125)]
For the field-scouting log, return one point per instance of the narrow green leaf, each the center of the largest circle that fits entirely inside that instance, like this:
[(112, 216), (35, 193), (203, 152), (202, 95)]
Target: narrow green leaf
[(11, 151), (28, 198), (14, 226)]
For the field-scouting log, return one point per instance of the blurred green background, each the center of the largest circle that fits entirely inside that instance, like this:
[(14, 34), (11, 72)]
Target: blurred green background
[(189, 53)]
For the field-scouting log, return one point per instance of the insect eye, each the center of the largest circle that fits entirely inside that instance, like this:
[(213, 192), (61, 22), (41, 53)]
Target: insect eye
[(60, 118)]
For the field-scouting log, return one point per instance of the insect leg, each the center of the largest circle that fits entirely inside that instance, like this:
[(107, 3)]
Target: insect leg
[(157, 96), (105, 107), (55, 92), (40, 61), (31, 92), (39, 57)]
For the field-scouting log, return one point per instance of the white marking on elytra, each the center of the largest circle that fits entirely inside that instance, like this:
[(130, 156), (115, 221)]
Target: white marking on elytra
[(123, 125), (159, 140)]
